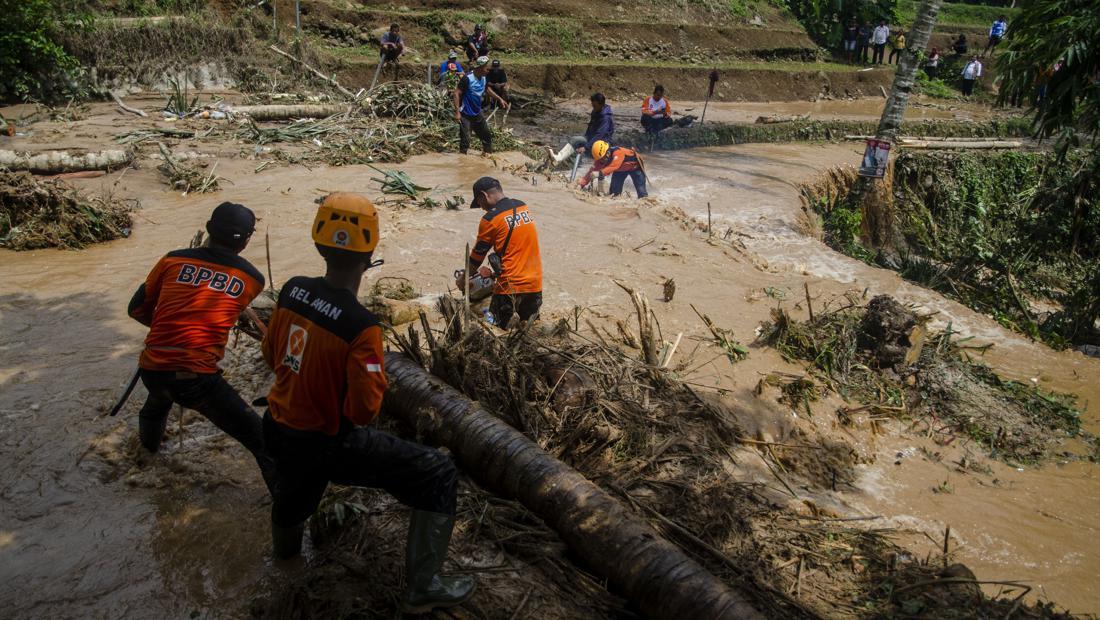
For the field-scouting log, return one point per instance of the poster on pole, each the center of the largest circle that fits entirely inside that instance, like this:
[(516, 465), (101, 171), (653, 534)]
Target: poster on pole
[(875, 158)]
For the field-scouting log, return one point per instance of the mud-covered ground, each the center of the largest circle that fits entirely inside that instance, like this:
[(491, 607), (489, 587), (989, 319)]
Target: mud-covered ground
[(90, 526)]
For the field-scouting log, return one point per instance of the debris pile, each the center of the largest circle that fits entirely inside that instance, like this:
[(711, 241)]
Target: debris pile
[(38, 214), (882, 357), (658, 446), (392, 122), (185, 177)]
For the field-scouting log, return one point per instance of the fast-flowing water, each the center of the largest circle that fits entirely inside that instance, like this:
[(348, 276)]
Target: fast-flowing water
[(89, 526)]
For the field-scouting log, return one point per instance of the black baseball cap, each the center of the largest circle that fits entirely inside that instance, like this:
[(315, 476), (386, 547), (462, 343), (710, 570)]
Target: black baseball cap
[(231, 221), (496, 63), (483, 184)]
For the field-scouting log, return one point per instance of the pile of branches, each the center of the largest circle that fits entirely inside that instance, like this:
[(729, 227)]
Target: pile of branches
[(882, 357), (655, 443), (664, 449), (185, 177), (393, 122), (50, 214)]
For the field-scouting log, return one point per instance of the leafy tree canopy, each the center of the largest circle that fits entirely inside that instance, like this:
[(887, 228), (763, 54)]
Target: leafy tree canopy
[(1056, 44)]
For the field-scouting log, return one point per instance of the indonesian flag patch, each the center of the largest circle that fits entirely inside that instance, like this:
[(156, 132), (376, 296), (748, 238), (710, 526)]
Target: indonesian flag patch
[(374, 364)]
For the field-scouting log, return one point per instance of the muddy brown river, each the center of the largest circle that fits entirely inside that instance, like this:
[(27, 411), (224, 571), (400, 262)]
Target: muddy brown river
[(89, 526)]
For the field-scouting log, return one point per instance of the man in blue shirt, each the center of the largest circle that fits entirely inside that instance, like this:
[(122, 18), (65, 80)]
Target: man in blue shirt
[(996, 33), (450, 71), (467, 101)]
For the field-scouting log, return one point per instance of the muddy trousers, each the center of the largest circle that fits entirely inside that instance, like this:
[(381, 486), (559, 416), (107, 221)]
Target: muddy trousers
[(480, 127), (655, 124), (526, 305), (418, 476), (636, 176), (213, 397)]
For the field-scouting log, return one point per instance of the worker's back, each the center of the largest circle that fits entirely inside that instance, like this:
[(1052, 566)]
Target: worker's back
[(521, 262)]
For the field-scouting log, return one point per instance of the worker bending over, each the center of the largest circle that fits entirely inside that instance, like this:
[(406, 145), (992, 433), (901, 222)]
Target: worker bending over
[(509, 230), (601, 126), (190, 301), (620, 162), (326, 351)]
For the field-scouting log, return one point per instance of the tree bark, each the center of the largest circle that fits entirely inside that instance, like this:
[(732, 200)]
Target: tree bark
[(877, 212), (289, 111), (916, 42), (56, 162), (650, 571)]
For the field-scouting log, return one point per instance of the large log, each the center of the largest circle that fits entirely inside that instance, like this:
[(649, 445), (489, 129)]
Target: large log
[(650, 571), (281, 112), (56, 162)]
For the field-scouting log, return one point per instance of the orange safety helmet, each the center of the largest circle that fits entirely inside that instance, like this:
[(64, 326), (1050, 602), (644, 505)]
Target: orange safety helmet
[(599, 149), (346, 221)]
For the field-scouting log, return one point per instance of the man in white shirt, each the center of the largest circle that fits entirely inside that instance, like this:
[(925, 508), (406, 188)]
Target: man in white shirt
[(878, 39), (970, 74)]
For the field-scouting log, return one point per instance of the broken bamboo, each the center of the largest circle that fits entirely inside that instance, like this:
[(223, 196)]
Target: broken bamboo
[(653, 573), (56, 162)]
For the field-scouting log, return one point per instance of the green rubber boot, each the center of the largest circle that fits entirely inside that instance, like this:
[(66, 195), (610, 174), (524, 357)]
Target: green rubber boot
[(429, 536), (286, 542)]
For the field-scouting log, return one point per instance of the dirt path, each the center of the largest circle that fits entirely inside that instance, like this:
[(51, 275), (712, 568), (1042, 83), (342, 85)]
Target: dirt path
[(89, 527)]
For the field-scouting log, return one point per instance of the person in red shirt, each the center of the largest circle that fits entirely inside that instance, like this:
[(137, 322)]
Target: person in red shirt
[(620, 162), (326, 351), (190, 301), (508, 229)]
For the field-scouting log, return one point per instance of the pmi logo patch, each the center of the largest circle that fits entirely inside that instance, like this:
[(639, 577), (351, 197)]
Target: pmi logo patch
[(295, 347), (341, 238)]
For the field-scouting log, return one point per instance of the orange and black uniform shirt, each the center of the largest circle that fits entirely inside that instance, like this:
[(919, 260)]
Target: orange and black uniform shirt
[(326, 351), (618, 159), (190, 301), (660, 107), (521, 263)]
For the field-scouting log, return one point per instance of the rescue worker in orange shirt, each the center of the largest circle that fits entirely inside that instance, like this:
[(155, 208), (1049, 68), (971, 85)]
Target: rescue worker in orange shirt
[(326, 351), (620, 162), (508, 229), (190, 301)]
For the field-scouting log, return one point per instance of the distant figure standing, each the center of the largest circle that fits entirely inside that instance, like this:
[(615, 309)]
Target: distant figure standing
[(897, 45), (996, 33), (468, 101), (960, 45), (498, 81), (879, 38), (851, 36), (932, 67), (477, 44), (970, 74), (863, 42), (656, 112)]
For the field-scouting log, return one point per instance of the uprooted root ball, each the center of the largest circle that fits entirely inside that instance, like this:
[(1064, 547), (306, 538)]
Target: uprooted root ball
[(38, 214), (881, 356)]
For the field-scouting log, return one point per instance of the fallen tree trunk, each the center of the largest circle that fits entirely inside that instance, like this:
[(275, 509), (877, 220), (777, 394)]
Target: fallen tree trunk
[(956, 144), (653, 573), (280, 112), (57, 162)]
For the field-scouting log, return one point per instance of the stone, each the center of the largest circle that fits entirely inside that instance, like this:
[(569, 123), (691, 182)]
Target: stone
[(499, 23)]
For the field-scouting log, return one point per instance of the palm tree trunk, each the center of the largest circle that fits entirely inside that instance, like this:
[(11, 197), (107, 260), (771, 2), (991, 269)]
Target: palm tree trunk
[(915, 43), (650, 571), (878, 218)]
